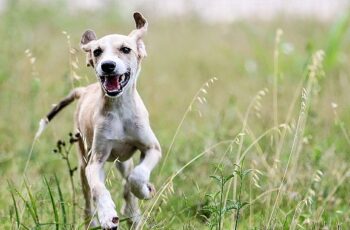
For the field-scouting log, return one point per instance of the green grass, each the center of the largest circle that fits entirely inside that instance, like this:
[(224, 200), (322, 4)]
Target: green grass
[(267, 112)]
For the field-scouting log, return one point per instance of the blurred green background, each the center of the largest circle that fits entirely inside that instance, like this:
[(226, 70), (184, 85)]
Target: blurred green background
[(39, 63)]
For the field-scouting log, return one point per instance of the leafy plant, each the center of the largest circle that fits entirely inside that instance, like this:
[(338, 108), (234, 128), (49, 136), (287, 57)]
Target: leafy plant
[(217, 205)]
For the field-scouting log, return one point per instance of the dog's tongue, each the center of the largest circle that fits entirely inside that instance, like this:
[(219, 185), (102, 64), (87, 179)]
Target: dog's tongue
[(112, 83)]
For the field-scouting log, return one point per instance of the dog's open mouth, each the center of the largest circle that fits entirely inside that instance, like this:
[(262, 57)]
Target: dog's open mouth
[(114, 84)]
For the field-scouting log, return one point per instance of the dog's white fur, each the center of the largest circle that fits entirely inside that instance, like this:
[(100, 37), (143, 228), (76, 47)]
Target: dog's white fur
[(112, 128)]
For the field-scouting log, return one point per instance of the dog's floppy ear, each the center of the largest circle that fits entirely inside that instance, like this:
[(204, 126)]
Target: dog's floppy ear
[(139, 32), (86, 38)]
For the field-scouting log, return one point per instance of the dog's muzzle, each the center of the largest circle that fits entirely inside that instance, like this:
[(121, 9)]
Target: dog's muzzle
[(113, 84)]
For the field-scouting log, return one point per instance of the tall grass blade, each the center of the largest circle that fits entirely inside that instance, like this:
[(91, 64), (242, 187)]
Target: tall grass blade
[(15, 205), (29, 207), (53, 204), (63, 207), (96, 228), (32, 203), (25, 227)]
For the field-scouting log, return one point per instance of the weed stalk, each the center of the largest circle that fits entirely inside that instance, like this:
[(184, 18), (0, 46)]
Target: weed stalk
[(64, 151)]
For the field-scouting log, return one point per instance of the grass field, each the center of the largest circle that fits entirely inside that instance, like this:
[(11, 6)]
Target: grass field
[(265, 146)]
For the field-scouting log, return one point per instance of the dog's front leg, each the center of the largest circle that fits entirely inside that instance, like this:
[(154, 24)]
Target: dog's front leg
[(139, 177), (95, 175)]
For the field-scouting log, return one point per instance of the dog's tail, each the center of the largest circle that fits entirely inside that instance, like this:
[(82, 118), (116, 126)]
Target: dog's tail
[(73, 95)]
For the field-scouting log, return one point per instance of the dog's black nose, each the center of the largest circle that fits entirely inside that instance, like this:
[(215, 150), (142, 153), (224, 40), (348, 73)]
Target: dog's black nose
[(108, 66)]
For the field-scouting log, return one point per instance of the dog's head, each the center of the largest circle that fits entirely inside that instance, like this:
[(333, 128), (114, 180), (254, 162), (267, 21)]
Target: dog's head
[(116, 58)]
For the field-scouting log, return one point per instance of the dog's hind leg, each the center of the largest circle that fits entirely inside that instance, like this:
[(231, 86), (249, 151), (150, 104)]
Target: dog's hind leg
[(130, 207), (88, 215)]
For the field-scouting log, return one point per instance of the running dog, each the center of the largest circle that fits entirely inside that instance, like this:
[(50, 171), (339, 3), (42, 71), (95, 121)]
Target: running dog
[(113, 123)]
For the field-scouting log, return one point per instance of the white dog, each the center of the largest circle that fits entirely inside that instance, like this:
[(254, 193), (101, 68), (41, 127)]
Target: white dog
[(113, 123)]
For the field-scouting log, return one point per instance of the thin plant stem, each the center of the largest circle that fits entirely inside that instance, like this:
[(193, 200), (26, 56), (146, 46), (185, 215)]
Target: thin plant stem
[(71, 179), (241, 139), (317, 59), (70, 58), (64, 151), (222, 184), (188, 109), (239, 200), (275, 83)]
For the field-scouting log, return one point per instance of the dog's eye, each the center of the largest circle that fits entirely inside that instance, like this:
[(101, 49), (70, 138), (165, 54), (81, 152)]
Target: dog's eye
[(97, 52), (125, 50)]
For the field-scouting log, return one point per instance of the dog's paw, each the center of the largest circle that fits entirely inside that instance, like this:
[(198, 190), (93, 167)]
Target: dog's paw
[(107, 215), (108, 219), (139, 185), (144, 191)]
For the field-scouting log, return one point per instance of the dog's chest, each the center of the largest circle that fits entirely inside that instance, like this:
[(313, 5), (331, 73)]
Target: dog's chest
[(122, 127), (123, 134)]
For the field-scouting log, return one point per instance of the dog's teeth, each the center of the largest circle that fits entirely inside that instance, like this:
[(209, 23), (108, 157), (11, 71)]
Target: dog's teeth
[(122, 78)]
